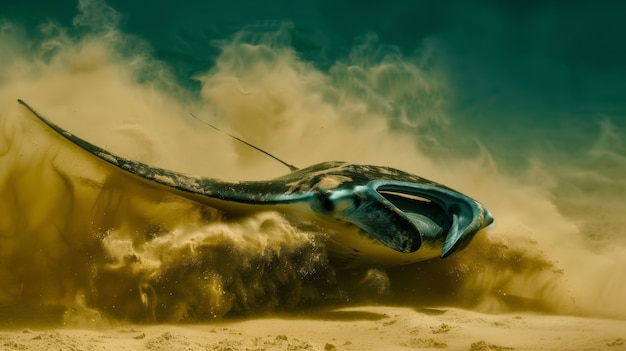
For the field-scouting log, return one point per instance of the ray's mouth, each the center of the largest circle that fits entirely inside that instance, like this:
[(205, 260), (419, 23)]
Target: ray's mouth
[(429, 218), (423, 215), (406, 216)]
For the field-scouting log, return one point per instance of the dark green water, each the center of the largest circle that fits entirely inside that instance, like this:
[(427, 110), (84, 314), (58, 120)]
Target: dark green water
[(518, 74)]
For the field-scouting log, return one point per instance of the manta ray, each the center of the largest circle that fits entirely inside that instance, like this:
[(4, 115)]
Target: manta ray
[(368, 215)]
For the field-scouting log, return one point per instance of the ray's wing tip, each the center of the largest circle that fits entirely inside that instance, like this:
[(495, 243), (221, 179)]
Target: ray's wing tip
[(447, 250), (453, 244), (25, 104)]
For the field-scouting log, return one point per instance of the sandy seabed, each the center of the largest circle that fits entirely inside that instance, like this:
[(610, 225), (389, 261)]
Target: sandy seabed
[(357, 328)]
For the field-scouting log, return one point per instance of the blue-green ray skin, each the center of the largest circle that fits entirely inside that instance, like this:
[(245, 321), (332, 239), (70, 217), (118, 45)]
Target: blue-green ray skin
[(369, 215)]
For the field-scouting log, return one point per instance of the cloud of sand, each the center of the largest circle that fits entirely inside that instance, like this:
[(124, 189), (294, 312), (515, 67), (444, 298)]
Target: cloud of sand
[(75, 232)]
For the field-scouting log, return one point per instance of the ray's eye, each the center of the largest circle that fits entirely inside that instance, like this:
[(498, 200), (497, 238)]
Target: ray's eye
[(357, 201), (325, 202)]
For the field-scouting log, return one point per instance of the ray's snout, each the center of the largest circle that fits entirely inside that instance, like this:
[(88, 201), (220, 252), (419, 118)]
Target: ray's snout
[(488, 219)]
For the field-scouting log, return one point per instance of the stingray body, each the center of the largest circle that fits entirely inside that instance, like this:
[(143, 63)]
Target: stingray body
[(368, 215)]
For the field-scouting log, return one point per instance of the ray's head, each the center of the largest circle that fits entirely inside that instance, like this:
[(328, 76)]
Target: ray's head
[(399, 210)]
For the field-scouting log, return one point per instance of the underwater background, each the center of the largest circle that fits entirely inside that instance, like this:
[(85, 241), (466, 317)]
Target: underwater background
[(519, 104)]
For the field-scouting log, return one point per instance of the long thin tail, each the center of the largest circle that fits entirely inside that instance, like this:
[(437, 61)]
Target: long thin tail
[(291, 167)]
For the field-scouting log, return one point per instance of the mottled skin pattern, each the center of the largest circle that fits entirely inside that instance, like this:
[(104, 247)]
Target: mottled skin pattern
[(370, 215)]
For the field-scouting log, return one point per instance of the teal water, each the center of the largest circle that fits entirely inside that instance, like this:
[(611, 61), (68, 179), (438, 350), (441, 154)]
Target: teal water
[(530, 65), (520, 104)]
